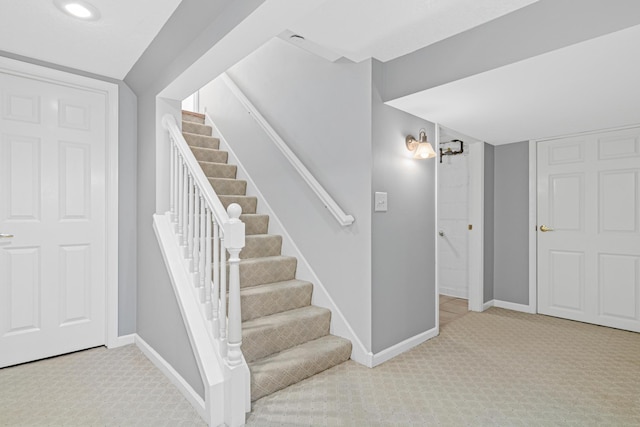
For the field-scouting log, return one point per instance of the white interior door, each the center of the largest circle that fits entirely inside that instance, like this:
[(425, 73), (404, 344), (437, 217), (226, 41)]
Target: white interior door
[(589, 196), (52, 200)]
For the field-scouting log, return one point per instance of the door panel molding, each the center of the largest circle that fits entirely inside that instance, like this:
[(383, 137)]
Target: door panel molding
[(73, 117), (611, 231)]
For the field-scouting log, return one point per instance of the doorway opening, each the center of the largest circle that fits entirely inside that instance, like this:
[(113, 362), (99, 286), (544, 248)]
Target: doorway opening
[(460, 194)]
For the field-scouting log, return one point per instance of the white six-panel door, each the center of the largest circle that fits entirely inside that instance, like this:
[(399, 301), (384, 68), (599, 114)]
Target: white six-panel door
[(52, 200), (589, 198)]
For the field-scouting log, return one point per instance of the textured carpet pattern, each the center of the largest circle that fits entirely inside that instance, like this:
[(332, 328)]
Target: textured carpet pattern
[(278, 321), (271, 298), (96, 387), (498, 368), (265, 336)]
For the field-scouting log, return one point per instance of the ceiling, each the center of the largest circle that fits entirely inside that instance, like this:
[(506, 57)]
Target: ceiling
[(109, 46), (587, 86), (355, 29), (387, 29)]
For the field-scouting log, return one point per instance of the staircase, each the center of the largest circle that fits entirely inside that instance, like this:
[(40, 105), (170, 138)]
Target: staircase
[(284, 338)]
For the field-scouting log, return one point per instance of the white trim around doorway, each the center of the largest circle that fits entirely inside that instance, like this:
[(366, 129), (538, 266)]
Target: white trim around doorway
[(533, 227), (110, 90)]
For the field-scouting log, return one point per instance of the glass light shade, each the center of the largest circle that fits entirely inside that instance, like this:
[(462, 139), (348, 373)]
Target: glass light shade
[(424, 151), (78, 10)]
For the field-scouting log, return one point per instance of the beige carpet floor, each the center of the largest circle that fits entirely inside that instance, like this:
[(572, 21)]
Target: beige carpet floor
[(498, 368)]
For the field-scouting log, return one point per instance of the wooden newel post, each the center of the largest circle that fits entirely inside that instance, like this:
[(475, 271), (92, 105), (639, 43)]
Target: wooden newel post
[(234, 242)]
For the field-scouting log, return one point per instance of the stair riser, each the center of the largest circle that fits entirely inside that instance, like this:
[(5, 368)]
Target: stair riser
[(219, 170), (265, 340), (255, 224), (269, 271), (201, 141), (274, 298), (296, 364), (210, 155), (229, 187), (261, 246), (192, 118), (248, 204), (196, 128)]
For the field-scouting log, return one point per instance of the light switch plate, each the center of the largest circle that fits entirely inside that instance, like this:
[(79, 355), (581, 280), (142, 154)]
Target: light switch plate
[(380, 202)]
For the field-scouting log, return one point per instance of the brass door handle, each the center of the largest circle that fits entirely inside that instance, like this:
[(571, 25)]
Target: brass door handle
[(5, 236), (544, 228)]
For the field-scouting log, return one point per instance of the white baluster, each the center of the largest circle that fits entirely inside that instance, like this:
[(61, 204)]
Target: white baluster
[(176, 178), (196, 237), (185, 205), (190, 221), (207, 271), (223, 294), (202, 242), (180, 198), (234, 242), (172, 187), (215, 294)]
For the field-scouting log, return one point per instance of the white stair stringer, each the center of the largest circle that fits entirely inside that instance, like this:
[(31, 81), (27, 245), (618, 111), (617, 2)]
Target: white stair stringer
[(219, 401)]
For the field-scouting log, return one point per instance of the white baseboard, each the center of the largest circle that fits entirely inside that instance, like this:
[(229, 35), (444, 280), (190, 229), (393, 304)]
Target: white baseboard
[(487, 305), (176, 379), (453, 292), (513, 306), (122, 340), (401, 347)]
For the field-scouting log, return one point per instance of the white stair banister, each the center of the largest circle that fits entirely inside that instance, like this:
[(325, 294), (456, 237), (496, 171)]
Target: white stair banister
[(204, 232)]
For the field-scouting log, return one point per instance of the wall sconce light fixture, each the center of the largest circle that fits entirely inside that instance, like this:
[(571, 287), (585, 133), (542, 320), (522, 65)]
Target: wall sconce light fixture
[(421, 148)]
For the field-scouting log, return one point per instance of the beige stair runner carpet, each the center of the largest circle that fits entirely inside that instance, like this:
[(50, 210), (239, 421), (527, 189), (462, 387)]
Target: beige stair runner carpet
[(284, 338)]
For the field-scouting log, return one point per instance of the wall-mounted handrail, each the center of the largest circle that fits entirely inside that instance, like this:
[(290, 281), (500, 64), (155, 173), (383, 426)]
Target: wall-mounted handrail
[(326, 199)]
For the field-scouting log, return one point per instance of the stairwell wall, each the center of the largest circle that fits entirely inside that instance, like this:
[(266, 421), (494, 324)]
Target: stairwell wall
[(323, 112), (381, 270)]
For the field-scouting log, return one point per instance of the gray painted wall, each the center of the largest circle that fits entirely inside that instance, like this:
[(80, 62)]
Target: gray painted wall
[(511, 262), (322, 111), (403, 238), (541, 27), (127, 192), (489, 205)]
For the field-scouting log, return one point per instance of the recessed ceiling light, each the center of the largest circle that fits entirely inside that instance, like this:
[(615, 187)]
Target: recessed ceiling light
[(78, 9)]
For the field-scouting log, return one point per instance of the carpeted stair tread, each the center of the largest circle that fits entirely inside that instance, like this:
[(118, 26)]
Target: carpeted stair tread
[(196, 128), (261, 245), (255, 223), (290, 366), (203, 141), (209, 155), (189, 116), (219, 170), (259, 271), (271, 298), (247, 203), (272, 334), (228, 186)]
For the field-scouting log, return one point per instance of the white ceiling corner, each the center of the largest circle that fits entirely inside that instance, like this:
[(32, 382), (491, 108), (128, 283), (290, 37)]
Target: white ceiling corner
[(387, 29), (109, 46)]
